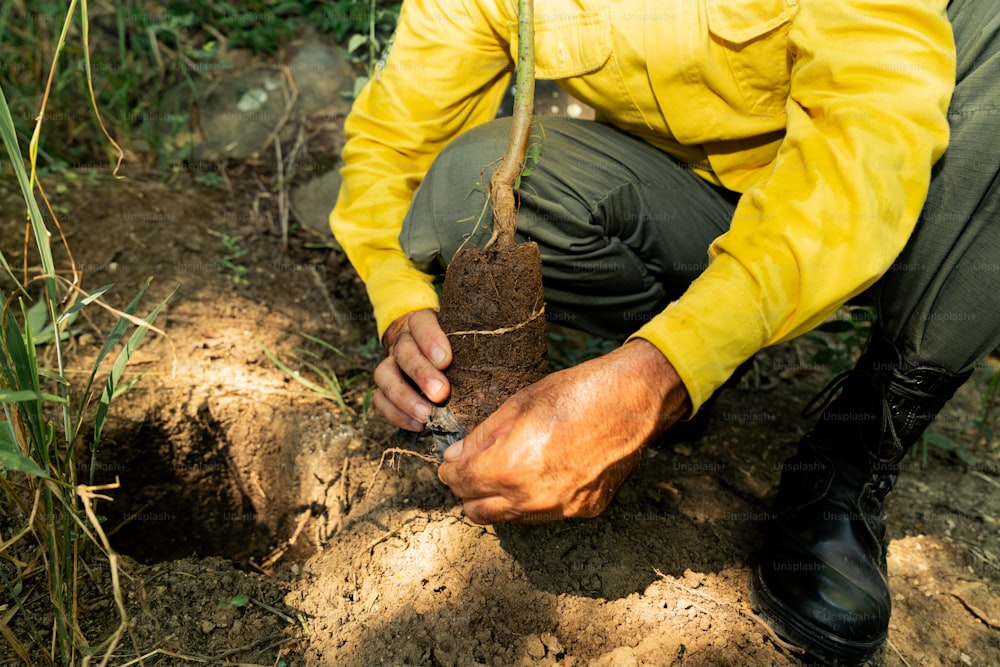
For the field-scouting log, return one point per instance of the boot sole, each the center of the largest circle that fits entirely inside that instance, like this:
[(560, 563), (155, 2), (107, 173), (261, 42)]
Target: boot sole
[(790, 626)]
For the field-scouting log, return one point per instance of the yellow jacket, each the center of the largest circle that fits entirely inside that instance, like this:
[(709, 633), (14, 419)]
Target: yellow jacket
[(827, 116)]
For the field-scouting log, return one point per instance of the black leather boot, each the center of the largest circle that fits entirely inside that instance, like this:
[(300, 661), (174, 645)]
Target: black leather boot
[(820, 582)]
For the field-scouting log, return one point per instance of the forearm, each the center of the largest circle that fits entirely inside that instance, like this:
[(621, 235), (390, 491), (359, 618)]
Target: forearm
[(865, 123)]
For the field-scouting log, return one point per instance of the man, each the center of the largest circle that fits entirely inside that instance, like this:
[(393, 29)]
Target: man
[(755, 164)]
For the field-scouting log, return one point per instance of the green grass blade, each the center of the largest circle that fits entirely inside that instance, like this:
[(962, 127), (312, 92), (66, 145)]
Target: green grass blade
[(25, 395), (79, 305), (334, 389), (11, 457), (118, 368), (323, 343), (293, 374), (9, 136), (21, 352), (115, 335)]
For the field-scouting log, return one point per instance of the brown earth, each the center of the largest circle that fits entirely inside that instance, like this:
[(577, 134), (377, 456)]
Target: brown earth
[(234, 480)]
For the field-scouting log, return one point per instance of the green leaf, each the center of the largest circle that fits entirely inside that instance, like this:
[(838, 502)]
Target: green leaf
[(940, 441), (9, 136), (18, 395), (115, 335), (11, 457), (38, 317), (118, 368), (836, 327), (240, 600), (79, 305), (823, 357), (356, 41)]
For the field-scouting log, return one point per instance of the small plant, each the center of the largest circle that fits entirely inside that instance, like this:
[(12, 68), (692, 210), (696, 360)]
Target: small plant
[(972, 439), (234, 251), (240, 600), (46, 412), (211, 179), (989, 413), (842, 339), (365, 47)]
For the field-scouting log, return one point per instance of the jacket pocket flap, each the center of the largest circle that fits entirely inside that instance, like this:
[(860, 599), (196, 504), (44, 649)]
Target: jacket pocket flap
[(742, 21), (568, 44)]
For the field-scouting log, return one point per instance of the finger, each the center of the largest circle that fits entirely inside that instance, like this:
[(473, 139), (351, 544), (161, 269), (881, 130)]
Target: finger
[(454, 451), (467, 486), (399, 393), (430, 338), (489, 510), (394, 415), (415, 365)]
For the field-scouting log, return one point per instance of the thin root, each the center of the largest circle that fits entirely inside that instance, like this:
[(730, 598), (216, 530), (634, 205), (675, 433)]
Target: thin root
[(504, 330), (393, 451)]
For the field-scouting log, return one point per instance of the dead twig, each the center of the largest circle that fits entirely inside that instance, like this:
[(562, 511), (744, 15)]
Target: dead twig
[(986, 478), (291, 92), (977, 612), (266, 607), (212, 660), (88, 495), (280, 550), (906, 663)]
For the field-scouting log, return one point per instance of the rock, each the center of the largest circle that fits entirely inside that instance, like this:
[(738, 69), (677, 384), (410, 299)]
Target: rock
[(239, 114), (241, 109), (313, 201), (321, 75)]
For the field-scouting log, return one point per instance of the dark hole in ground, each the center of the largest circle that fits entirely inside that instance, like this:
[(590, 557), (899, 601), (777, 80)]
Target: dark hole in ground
[(179, 495)]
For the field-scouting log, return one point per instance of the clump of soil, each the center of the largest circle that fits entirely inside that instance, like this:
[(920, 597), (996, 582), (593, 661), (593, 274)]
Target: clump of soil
[(492, 309)]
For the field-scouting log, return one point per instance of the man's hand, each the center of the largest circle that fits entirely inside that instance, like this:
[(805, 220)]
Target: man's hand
[(562, 446), (418, 352)]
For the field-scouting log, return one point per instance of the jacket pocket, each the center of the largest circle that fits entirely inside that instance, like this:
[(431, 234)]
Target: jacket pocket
[(568, 44), (754, 36)]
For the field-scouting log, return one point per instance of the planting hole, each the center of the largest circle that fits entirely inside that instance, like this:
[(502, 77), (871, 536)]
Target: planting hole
[(180, 494)]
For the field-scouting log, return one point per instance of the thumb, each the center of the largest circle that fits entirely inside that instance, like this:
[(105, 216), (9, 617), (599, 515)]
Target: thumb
[(482, 437)]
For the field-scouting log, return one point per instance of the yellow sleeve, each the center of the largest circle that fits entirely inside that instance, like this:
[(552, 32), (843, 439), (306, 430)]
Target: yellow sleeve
[(870, 85), (445, 72)]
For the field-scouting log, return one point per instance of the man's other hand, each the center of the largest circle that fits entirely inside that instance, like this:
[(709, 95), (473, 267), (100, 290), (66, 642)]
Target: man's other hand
[(418, 352), (562, 446)]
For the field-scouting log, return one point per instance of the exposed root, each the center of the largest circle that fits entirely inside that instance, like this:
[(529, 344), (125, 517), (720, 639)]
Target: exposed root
[(393, 451), (503, 330)]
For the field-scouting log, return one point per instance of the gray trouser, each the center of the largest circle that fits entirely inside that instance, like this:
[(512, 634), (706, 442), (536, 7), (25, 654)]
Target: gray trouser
[(623, 228)]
